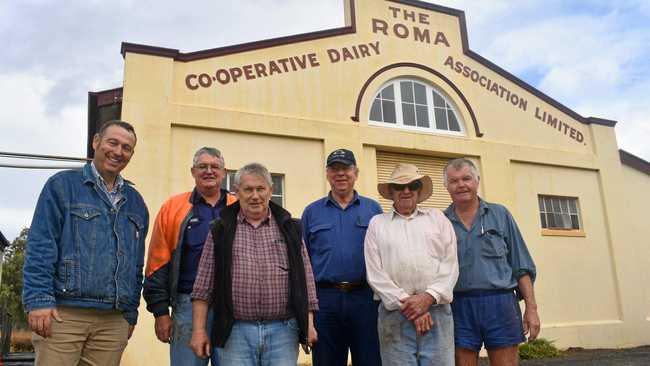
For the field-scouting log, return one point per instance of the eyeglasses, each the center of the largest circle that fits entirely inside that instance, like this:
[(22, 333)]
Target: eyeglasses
[(206, 167), (413, 186)]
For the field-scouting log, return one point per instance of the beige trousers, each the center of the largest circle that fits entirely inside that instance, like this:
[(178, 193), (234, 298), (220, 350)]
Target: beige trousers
[(88, 337)]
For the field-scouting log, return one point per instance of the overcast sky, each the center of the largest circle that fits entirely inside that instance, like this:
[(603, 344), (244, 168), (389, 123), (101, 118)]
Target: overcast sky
[(591, 55)]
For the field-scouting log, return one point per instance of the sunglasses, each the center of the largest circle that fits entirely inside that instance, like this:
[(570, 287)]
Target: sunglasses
[(413, 186)]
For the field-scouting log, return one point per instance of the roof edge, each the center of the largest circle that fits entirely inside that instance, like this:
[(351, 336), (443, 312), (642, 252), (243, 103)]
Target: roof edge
[(634, 162), (602, 121)]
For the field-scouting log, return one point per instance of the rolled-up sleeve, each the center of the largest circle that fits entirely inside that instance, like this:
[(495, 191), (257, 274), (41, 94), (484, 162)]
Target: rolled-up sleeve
[(204, 282)]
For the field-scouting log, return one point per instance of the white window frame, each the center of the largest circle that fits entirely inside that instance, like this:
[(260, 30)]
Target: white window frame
[(230, 175), (399, 119)]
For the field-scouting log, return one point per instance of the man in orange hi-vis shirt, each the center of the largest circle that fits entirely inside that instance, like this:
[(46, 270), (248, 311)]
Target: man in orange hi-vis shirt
[(179, 233)]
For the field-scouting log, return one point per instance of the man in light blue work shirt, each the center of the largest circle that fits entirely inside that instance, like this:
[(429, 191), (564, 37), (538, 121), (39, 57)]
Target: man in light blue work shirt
[(334, 229), (495, 267)]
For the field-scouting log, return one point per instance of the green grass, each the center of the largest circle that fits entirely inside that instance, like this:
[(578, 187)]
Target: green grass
[(539, 348)]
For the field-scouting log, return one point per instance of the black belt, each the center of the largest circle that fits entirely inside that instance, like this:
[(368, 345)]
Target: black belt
[(343, 286), (483, 293)]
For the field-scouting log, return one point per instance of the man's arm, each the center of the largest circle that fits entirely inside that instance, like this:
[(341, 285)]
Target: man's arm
[(156, 283), (200, 342), (201, 295), (531, 318), (41, 257)]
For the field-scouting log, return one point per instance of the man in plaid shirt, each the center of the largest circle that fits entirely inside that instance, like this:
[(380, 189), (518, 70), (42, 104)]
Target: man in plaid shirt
[(256, 274)]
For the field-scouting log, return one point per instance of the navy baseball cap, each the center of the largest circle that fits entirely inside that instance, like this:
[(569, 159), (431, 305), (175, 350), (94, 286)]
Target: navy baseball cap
[(342, 156)]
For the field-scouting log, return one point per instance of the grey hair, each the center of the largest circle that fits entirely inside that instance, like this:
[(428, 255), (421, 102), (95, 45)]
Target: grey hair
[(215, 153), (252, 169), (458, 164)]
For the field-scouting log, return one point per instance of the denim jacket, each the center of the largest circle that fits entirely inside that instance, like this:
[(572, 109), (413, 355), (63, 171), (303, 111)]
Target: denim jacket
[(81, 250)]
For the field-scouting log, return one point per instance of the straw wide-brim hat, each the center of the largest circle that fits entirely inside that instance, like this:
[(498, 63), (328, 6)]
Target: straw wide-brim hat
[(405, 174)]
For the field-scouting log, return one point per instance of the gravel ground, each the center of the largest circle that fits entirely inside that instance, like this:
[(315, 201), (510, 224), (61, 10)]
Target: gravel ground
[(639, 356)]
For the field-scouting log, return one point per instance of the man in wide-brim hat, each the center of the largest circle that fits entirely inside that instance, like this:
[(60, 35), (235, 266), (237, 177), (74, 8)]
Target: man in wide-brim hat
[(412, 266)]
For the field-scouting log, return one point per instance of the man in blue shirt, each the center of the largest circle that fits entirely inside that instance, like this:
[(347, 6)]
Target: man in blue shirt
[(179, 232), (334, 229), (85, 252), (495, 267)]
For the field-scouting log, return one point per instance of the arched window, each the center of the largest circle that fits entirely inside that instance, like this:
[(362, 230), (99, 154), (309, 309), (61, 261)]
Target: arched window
[(411, 104)]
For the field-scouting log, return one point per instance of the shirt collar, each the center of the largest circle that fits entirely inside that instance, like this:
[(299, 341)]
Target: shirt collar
[(241, 218), (332, 201), (418, 211), (119, 181), (450, 212), (196, 197)]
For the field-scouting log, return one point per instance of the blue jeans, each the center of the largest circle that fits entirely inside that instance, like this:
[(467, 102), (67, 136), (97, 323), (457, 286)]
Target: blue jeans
[(346, 320), (180, 353), (261, 343), (400, 346)]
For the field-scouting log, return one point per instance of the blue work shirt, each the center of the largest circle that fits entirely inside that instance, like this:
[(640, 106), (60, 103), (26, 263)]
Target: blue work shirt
[(194, 237), (492, 254), (334, 237)]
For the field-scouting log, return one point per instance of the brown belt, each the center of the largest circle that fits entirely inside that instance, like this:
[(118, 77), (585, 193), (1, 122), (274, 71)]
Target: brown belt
[(343, 286)]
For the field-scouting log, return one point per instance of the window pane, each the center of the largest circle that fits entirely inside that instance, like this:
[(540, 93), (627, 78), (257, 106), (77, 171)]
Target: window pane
[(541, 203), (575, 223), (420, 93), (453, 122), (389, 111), (564, 205), (566, 221), (277, 200), (406, 87), (277, 184), (551, 221), (423, 116), (438, 101), (388, 93), (556, 205), (408, 113), (441, 119), (542, 217), (375, 111), (572, 206)]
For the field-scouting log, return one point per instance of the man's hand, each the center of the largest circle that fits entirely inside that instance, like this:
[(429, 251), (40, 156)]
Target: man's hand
[(163, 327), (423, 324), (200, 343), (416, 305), (312, 335), (40, 321), (531, 323), (131, 329)]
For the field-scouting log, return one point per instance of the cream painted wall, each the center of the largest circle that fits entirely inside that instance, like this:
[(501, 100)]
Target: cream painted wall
[(591, 290)]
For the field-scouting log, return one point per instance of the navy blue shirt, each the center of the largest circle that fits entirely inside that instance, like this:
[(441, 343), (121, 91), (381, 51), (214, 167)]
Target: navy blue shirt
[(194, 237), (334, 237), (492, 254)]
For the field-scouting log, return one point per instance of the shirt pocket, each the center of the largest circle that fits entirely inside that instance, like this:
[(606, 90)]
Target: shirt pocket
[(433, 241), (494, 244), (87, 224), (321, 238)]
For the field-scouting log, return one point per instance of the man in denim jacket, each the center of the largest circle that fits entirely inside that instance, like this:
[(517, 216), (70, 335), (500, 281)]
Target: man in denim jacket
[(85, 253)]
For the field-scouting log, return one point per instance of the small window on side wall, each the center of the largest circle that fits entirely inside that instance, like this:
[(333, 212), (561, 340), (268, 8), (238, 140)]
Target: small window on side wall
[(278, 186), (560, 216)]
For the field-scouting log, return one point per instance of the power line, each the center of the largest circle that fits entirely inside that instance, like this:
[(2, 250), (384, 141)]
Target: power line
[(17, 166), (41, 157)]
